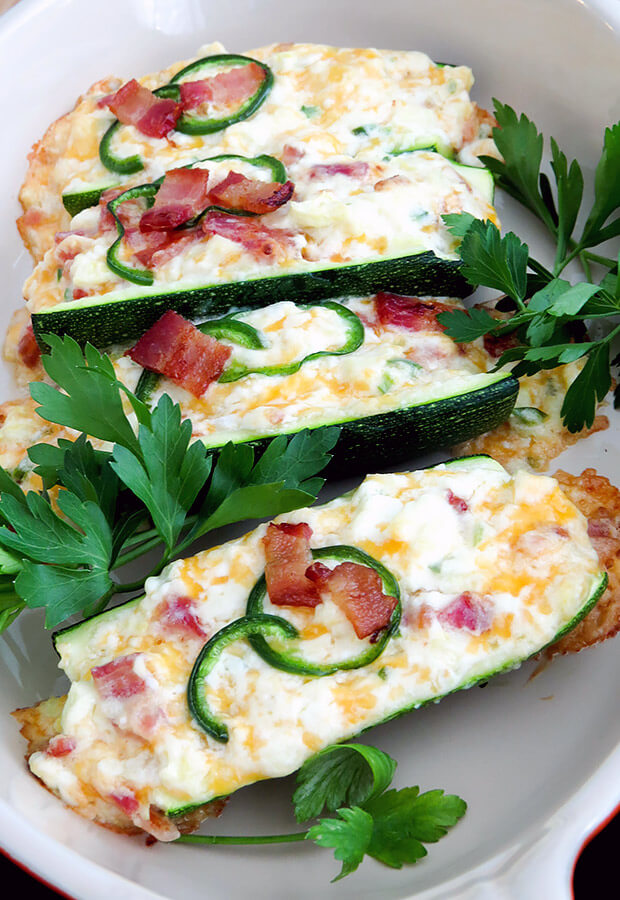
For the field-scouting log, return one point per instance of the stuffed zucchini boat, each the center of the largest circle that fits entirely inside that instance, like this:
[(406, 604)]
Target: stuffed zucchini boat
[(233, 231), (286, 100), (240, 663)]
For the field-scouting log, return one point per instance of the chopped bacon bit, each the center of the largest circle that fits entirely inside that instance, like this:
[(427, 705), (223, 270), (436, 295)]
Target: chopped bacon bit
[(153, 116), (601, 528), (318, 572), (358, 591), (236, 85), (262, 242), (78, 293), (467, 611), (157, 253), (291, 154), (177, 349), (60, 236), (287, 551), (409, 312), (28, 350), (496, 345), (60, 745), (176, 615), (106, 219), (127, 801), (355, 169), (387, 183), (238, 192), (457, 502), (117, 678), (182, 195)]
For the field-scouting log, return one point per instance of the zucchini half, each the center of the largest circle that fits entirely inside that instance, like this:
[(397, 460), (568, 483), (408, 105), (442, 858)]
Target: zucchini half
[(125, 315), (515, 547), (346, 382)]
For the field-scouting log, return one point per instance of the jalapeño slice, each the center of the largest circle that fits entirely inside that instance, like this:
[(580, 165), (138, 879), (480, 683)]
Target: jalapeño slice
[(209, 655), (127, 165), (291, 659)]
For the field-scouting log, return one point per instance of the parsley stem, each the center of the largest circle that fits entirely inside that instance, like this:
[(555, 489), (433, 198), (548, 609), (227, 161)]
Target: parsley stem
[(537, 267), (232, 839), (137, 550), (606, 261)]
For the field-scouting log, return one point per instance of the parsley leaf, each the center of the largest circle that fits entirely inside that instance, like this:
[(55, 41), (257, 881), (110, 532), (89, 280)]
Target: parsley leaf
[(606, 192), (495, 261), (590, 385), (345, 773), (168, 474), (349, 836), (467, 325)]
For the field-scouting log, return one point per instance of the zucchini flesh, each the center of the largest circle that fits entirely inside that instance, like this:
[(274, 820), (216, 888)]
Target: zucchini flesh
[(579, 587)]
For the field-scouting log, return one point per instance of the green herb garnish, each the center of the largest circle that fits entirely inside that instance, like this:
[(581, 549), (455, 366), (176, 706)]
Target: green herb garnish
[(547, 306), (152, 490), (352, 780)]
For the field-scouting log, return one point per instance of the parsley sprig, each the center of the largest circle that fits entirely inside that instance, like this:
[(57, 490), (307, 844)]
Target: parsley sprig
[(154, 489), (549, 311), (352, 780)]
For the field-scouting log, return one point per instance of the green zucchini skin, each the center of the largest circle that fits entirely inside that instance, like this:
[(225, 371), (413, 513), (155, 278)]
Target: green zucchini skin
[(104, 323), (380, 442)]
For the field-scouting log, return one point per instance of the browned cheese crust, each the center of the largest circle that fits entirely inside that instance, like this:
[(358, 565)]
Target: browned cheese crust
[(40, 723), (511, 447), (599, 501)]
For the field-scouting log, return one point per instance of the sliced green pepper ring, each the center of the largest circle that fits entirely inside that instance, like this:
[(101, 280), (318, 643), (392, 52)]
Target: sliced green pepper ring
[(200, 69), (354, 338), (127, 165), (209, 656), (289, 661)]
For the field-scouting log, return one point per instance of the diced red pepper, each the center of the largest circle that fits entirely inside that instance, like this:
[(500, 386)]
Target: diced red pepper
[(238, 192), (177, 349), (127, 801), (288, 556), (118, 679), (469, 612), (409, 312), (135, 105), (358, 591)]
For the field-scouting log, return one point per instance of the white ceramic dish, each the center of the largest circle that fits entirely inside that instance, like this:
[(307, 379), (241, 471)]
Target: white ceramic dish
[(537, 760)]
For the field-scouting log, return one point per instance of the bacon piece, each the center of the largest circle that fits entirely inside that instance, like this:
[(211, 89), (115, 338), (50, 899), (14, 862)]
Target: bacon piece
[(177, 349), (238, 192), (409, 312), (117, 679), (468, 612), (60, 745), (127, 801), (236, 85), (291, 154), (28, 350), (319, 573), (176, 615), (358, 591), (287, 551), (135, 105), (495, 345), (182, 195), (262, 242), (162, 246), (457, 502), (355, 169)]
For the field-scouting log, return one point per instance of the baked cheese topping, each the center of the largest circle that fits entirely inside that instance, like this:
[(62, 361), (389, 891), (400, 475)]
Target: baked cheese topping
[(517, 544), (388, 208)]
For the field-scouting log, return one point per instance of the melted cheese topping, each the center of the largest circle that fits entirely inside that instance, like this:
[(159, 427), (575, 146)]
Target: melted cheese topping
[(520, 545), (394, 210), (392, 369)]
